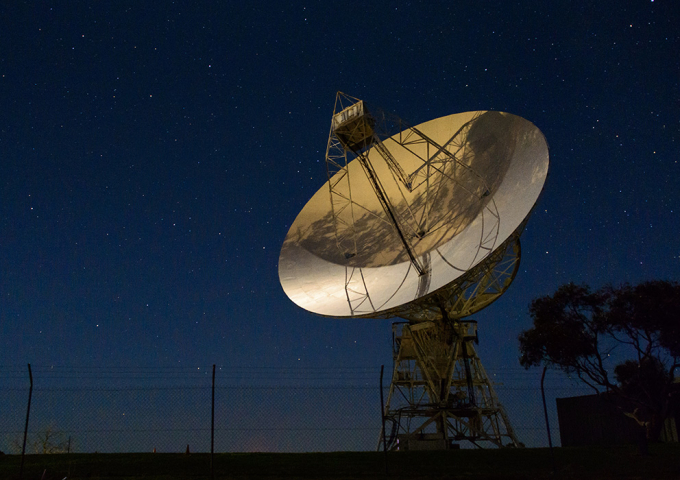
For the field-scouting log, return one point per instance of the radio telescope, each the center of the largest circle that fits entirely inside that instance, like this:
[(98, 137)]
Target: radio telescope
[(421, 223)]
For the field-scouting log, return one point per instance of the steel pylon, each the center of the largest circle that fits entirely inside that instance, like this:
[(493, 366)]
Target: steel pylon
[(440, 396)]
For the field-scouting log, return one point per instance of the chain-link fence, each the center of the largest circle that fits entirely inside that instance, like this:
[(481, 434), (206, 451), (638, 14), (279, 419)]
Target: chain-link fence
[(255, 410)]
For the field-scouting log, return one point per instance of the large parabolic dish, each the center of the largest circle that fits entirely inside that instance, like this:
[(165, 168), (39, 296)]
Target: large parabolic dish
[(406, 216)]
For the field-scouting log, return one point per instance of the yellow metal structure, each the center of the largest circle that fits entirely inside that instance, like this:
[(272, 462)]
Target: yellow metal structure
[(422, 223), (440, 394)]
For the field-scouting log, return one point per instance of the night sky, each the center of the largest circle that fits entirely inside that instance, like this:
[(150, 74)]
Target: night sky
[(154, 154)]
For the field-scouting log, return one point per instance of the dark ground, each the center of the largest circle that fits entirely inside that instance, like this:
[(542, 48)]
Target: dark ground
[(572, 463)]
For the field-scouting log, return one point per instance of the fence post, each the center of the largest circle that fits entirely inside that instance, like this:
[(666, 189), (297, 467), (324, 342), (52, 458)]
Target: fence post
[(382, 415), (547, 422), (212, 428), (28, 412)]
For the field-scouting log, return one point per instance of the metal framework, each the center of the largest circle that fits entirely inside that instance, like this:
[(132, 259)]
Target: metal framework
[(475, 290), (355, 131), (440, 393)]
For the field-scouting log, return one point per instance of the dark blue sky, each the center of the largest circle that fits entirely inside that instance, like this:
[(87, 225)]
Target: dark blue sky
[(154, 154)]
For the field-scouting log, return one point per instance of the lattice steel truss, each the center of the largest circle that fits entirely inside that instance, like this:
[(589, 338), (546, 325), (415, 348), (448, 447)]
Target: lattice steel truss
[(355, 131), (477, 289), (440, 393)]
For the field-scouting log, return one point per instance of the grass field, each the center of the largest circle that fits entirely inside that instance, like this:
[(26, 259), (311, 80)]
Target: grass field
[(572, 463)]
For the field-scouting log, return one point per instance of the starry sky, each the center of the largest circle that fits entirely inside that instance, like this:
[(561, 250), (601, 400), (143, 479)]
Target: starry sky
[(154, 154)]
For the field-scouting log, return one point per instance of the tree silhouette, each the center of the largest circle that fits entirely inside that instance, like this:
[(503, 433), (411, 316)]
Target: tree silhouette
[(47, 441), (623, 340)]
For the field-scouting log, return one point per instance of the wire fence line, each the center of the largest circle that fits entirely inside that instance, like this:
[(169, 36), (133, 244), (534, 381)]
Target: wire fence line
[(258, 409)]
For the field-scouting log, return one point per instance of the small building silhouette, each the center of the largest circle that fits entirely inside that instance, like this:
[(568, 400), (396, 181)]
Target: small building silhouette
[(600, 420)]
